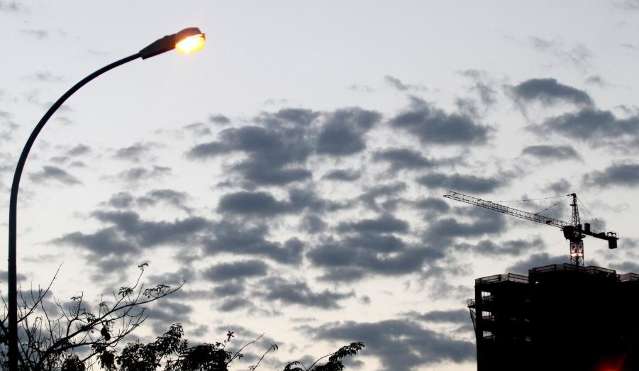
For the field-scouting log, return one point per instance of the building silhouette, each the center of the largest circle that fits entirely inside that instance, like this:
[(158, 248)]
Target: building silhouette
[(559, 317)]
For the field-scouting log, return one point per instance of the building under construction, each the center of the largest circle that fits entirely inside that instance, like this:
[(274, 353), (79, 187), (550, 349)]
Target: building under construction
[(559, 317)]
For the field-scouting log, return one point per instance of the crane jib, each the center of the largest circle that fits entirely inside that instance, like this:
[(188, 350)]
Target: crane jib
[(538, 218), (573, 231)]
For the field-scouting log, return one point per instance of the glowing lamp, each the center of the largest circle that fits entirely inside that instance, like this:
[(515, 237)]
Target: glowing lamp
[(190, 44), (187, 41)]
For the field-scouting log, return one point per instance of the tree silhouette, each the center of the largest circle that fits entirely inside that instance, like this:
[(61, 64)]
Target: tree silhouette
[(72, 336)]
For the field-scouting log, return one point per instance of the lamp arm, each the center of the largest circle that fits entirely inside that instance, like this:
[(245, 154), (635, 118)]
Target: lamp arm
[(13, 203)]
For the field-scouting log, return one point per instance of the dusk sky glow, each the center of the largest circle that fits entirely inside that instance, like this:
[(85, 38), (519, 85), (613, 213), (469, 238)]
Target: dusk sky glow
[(291, 172)]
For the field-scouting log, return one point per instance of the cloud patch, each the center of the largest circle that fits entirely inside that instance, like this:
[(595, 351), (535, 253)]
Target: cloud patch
[(56, 174), (275, 289), (245, 239), (549, 92), (516, 247), (482, 222), (431, 125), (403, 159), (398, 85), (597, 127), (236, 270), (343, 132), (621, 174), (551, 152), (400, 345), (463, 183), (538, 260)]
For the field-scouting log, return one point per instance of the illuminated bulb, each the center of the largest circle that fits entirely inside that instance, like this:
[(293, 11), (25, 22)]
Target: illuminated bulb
[(191, 44)]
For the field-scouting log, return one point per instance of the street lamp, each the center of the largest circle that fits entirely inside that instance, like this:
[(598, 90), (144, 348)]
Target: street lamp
[(186, 41)]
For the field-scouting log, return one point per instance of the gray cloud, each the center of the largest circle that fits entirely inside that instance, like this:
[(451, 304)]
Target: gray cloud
[(11, 7), (49, 173), (621, 174), (184, 274), (596, 80), (433, 205), (403, 158), (594, 126), (121, 200), (79, 150), (129, 232), (124, 200), (483, 222), (168, 196), (312, 223), (551, 152), (625, 267), (244, 239), (45, 77), (219, 119), (137, 174), (236, 270), (549, 91), (433, 126), (383, 243), (298, 292), (361, 88), (263, 204), (537, 260), (103, 242), (384, 224), (107, 249), (457, 316), (516, 247), (400, 345), (169, 312), (384, 197), (233, 304), (463, 183), (578, 54), (9, 128), (5, 274), (135, 152), (357, 256), (344, 130), (343, 175), (401, 86), (36, 33), (484, 89), (260, 173), (253, 203), (198, 129), (125, 235), (151, 233), (561, 186), (275, 151), (627, 4), (229, 289)]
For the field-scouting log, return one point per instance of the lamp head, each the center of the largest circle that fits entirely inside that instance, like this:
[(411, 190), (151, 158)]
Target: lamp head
[(186, 41), (189, 40)]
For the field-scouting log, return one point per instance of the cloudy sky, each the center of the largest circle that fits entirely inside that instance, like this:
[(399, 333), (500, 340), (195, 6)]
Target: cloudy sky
[(292, 172)]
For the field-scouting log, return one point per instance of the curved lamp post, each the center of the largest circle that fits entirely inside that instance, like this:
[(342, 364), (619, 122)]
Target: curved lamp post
[(186, 41)]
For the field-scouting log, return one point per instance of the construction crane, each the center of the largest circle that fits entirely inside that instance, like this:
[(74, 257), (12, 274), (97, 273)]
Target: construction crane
[(573, 231)]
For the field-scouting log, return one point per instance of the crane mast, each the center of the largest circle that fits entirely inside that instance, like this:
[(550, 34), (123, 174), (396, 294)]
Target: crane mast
[(574, 236), (573, 231)]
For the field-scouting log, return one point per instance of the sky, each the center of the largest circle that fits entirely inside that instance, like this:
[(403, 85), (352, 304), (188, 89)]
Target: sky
[(292, 172)]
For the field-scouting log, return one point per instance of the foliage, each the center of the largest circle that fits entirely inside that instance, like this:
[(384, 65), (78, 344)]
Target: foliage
[(334, 360), (72, 337)]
